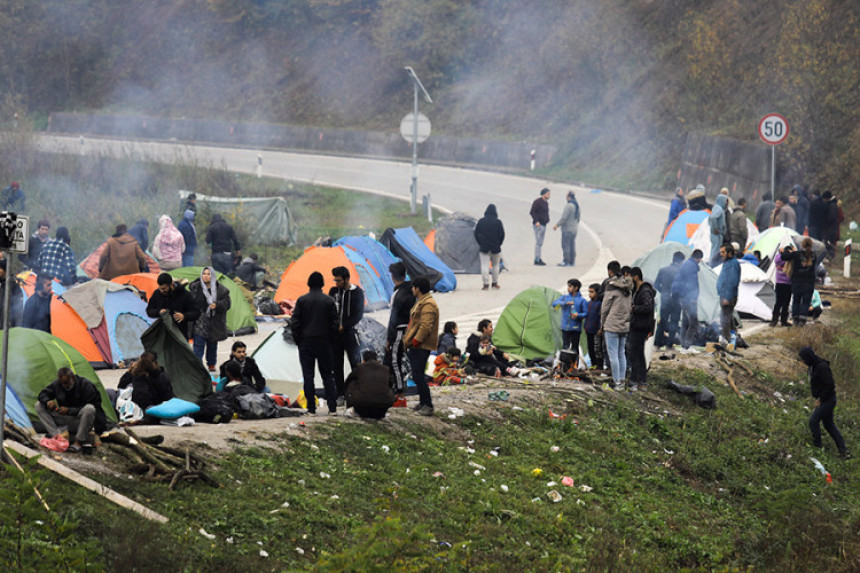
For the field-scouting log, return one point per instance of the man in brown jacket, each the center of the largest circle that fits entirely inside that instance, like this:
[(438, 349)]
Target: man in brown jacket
[(121, 256), (421, 338)]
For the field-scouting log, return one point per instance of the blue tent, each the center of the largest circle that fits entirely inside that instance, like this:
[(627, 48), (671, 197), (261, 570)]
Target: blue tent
[(685, 224), (419, 260), (126, 320), (15, 409), (376, 254), (371, 281)]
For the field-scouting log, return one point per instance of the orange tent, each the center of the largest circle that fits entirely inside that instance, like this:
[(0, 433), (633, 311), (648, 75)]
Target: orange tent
[(144, 282), (294, 281), (430, 240), (90, 265)]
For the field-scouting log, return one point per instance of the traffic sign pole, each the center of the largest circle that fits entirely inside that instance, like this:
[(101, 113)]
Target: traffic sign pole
[(4, 359), (773, 130)]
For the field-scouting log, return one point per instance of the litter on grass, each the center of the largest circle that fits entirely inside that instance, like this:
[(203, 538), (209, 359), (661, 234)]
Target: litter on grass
[(455, 412), (567, 481), (554, 496)]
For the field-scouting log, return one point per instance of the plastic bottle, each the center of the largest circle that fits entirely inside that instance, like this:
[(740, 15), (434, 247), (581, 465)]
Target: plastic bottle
[(734, 338)]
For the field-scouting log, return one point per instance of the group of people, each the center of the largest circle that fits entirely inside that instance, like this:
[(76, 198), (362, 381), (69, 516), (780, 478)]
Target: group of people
[(568, 223)]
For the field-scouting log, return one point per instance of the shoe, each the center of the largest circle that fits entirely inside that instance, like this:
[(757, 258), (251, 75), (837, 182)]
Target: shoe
[(417, 406), (486, 287), (74, 449), (496, 286), (341, 401), (87, 449), (311, 414), (332, 412), (540, 263), (772, 323), (425, 411), (692, 350), (211, 368), (723, 340), (562, 264), (845, 455), (633, 388)]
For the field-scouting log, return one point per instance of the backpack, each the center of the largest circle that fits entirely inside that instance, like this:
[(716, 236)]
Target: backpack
[(256, 406), (214, 409)]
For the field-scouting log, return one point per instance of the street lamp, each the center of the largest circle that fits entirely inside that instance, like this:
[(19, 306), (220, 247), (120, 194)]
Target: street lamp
[(416, 84)]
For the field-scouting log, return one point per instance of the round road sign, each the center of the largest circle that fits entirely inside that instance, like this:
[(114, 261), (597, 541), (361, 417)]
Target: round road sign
[(773, 128), (407, 127)]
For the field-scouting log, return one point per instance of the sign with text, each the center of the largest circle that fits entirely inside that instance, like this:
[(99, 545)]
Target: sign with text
[(18, 233), (773, 129)]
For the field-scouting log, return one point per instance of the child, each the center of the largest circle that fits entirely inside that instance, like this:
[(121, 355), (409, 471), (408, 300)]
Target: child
[(574, 310), (448, 337), (815, 306), (592, 325), (448, 369)]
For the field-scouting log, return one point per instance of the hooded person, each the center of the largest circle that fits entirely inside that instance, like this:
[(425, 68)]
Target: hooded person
[(57, 260), (168, 245), (490, 234), (696, 200), (678, 204), (718, 221), (140, 231), (824, 391), (189, 233), (212, 300), (615, 324), (122, 255)]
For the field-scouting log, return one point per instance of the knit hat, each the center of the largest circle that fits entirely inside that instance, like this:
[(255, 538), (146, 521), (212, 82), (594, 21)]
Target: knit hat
[(316, 280)]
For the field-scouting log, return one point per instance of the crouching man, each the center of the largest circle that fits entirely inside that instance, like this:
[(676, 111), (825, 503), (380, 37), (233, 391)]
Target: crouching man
[(367, 388), (74, 402)]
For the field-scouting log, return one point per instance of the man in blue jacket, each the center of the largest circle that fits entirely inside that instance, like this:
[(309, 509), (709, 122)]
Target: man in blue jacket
[(685, 289), (574, 309), (727, 289), (670, 308)]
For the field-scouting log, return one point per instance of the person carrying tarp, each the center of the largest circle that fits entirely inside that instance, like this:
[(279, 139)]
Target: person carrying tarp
[(171, 297)]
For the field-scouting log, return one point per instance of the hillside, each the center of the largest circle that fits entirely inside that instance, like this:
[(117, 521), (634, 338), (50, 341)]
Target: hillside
[(616, 84)]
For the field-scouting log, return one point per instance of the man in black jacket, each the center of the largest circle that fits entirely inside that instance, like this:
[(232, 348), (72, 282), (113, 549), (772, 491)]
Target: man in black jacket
[(540, 219), (71, 401), (251, 374), (367, 389), (641, 327), (402, 302), (222, 239), (824, 392), (349, 299), (37, 310), (314, 324), (172, 298), (490, 234)]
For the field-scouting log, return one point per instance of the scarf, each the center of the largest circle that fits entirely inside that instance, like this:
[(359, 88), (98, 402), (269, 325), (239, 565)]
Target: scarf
[(211, 292)]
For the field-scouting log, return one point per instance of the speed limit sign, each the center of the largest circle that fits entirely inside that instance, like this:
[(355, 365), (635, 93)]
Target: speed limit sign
[(773, 129)]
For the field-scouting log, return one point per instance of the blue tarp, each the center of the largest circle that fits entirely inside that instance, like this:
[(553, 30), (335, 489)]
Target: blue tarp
[(376, 254), (419, 260)]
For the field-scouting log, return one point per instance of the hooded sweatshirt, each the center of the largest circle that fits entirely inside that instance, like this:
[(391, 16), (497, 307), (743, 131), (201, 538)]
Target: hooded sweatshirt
[(169, 244), (820, 375), (617, 304), (489, 232), (189, 232)]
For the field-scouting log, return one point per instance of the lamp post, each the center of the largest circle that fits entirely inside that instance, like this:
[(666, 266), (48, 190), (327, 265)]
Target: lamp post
[(416, 84)]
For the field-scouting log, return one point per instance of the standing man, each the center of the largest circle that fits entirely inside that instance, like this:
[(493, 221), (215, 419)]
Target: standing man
[(824, 392), (402, 301), (222, 240), (727, 289), (685, 289), (57, 260), (678, 205), (719, 228), (421, 338), (569, 224), (37, 240), (490, 234), (738, 232), (349, 299), (71, 401), (763, 212), (314, 324), (171, 299), (540, 219), (783, 215), (615, 324), (37, 310), (800, 204), (641, 328), (122, 255), (189, 233), (817, 215), (16, 304), (670, 306)]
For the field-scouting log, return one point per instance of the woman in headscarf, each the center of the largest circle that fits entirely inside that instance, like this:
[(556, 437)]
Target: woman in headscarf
[(168, 246), (213, 301)]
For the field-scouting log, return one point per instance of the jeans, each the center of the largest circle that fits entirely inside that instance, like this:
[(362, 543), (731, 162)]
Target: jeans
[(540, 232), (615, 342), (689, 322), (824, 413), (568, 247), (595, 350), (670, 317), (783, 299), (222, 262), (418, 360), (802, 294), (486, 260), (345, 342), (317, 350), (211, 346), (81, 424), (636, 355), (187, 259), (570, 340)]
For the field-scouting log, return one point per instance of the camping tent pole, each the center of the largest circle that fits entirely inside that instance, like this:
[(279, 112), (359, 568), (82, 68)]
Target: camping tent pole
[(5, 356)]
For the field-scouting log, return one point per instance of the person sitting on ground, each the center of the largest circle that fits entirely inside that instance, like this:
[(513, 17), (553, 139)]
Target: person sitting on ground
[(448, 368), (815, 306), (37, 309), (150, 384), (171, 299), (367, 390), (486, 358), (448, 337), (251, 374), (74, 402), (250, 272)]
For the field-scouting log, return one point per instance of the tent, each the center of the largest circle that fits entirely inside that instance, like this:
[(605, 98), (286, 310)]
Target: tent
[(419, 260), (756, 295), (529, 326), (189, 378), (701, 238), (35, 357), (294, 281), (684, 226), (376, 255), (455, 244), (90, 265), (430, 240), (267, 220), (16, 411)]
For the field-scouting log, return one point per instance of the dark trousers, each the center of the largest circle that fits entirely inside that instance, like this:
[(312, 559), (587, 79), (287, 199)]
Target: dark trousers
[(317, 351), (689, 322), (372, 412), (570, 340), (670, 318), (802, 297), (783, 299), (636, 355), (418, 360), (345, 342), (395, 360), (209, 345), (824, 413), (727, 318), (222, 262), (595, 350)]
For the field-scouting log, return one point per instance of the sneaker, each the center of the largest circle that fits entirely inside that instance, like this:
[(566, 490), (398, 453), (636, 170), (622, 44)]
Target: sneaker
[(562, 264), (540, 263), (332, 412), (211, 368), (425, 411), (496, 286), (692, 350), (633, 387), (486, 287), (417, 406), (341, 401), (311, 414)]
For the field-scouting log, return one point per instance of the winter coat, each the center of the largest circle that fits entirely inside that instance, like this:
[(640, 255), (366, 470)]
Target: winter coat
[(16, 304), (572, 304), (178, 300), (817, 217), (37, 313), (211, 325), (763, 214), (367, 386), (686, 283), (140, 231), (617, 303), (830, 230), (402, 301), (169, 244), (31, 257), (802, 267), (350, 306), (423, 323), (784, 217), (121, 256), (820, 376), (738, 232), (665, 276), (314, 317), (592, 319), (801, 209), (82, 393), (221, 236), (148, 389), (248, 269), (251, 374), (642, 309), (678, 205), (717, 222), (729, 279), (489, 232), (780, 276), (570, 215), (539, 211), (446, 341), (189, 232)]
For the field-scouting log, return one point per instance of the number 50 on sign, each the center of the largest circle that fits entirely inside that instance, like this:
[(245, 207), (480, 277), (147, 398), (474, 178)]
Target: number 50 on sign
[(773, 129)]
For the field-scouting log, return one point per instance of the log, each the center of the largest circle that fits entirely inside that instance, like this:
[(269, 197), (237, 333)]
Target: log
[(87, 483)]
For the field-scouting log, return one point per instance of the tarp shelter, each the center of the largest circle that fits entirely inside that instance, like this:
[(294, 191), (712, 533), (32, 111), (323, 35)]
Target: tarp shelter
[(455, 243), (241, 315), (661, 256), (267, 220), (419, 260), (33, 360), (681, 230), (294, 281), (373, 256), (756, 295), (90, 265), (701, 239), (189, 378), (529, 326)]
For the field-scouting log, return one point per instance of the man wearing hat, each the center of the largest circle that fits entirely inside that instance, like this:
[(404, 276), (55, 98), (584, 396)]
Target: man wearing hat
[(540, 219), (13, 199)]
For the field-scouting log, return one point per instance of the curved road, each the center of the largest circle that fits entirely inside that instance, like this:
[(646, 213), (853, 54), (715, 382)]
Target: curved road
[(613, 225)]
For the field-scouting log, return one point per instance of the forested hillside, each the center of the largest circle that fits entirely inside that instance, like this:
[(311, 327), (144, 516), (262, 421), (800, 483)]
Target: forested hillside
[(616, 84)]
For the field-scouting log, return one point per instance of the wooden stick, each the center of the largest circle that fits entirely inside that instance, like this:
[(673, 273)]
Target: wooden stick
[(15, 463), (87, 483)]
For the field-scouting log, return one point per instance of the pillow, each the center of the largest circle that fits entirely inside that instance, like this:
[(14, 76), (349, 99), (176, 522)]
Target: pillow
[(173, 408)]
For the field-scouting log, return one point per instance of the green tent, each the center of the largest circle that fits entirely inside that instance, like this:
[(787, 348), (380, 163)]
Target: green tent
[(264, 220), (240, 316), (188, 377), (529, 327), (35, 357)]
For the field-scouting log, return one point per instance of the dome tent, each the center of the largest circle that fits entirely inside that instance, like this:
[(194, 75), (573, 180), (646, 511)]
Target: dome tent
[(529, 327)]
